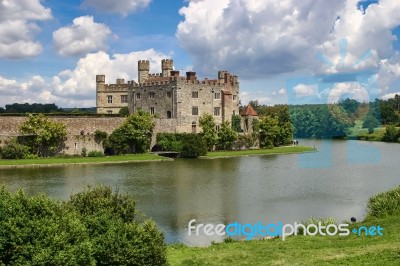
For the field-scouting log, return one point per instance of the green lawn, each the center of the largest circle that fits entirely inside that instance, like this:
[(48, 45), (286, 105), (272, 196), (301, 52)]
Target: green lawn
[(300, 250), (82, 160), (277, 150)]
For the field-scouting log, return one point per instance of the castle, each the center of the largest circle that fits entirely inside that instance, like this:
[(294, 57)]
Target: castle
[(176, 101)]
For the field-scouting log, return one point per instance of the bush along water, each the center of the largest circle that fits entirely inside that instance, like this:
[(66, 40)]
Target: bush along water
[(94, 227)]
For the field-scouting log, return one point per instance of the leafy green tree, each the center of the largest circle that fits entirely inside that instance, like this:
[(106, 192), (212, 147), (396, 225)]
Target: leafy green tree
[(209, 134), (134, 135), (391, 134), (124, 111), (236, 121), (44, 137), (269, 130), (14, 150), (193, 146), (226, 137)]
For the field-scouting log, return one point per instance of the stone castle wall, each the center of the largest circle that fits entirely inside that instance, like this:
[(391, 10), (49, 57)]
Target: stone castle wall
[(76, 141)]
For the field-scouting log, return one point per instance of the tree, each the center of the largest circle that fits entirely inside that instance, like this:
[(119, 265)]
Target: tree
[(14, 150), (43, 137), (226, 137), (391, 134), (124, 111), (209, 134), (269, 131), (236, 121), (134, 135)]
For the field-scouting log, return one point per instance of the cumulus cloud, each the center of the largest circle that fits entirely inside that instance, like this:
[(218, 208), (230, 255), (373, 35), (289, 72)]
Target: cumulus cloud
[(123, 7), (17, 28), (261, 38), (352, 90), (305, 90), (82, 37), (77, 87)]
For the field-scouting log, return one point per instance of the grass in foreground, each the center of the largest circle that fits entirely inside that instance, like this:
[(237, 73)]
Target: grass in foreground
[(277, 150), (108, 159), (310, 250)]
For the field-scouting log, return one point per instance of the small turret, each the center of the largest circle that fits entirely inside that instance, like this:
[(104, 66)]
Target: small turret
[(143, 70), (167, 65)]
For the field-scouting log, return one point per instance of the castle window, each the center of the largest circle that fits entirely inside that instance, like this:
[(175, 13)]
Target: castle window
[(152, 110), (109, 99), (109, 112), (195, 94), (152, 95), (217, 111), (234, 97), (194, 126), (217, 95), (169, 94), (124, 98), (169, 114), (137, 95), (195, 110), (217, 127)]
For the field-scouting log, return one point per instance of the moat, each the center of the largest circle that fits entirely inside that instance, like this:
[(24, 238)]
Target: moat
[(334, 182)]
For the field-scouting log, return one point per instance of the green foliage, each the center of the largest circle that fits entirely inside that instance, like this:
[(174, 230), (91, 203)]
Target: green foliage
[(226, 137), (100, 136), (95, 154), (189, 145), (236, 123), (44, 137), (256, 125), (194, 146), (115, 233), (124, 111), (14, 150), (246, 141), (350, 105), (94, 227), (134, 135), (32, 108), (38, 231), (320, 121), (391, 134), (207, 123), (370, 122), (384, 204), (84, 152)]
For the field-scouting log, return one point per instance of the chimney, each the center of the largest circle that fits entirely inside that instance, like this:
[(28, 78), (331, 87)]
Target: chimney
[(191, 76)]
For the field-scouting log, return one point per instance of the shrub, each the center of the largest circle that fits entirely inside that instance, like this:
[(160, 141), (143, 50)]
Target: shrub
[(194, 146), (189, 145), (94, 227), (84, 152), (14, 150), (95, 154), (38, 231), (117, 236), (384, 204)]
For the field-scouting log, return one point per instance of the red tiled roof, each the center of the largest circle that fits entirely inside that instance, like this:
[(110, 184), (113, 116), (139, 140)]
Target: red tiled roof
[(248, 111)]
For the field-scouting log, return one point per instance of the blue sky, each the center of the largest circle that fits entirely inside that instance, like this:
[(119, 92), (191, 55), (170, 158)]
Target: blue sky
[(50, 51)]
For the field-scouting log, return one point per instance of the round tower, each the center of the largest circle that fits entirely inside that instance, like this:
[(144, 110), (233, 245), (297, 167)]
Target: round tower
[(143, 70), (167, 65)]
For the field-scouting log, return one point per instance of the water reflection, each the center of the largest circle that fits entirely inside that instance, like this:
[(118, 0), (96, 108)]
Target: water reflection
[(283, 188)]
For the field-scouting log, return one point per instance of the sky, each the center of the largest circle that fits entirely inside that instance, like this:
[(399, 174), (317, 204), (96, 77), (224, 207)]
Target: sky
[(284, 51)]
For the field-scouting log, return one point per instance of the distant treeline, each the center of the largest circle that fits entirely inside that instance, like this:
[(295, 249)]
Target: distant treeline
[(334, 120), (22, 108)]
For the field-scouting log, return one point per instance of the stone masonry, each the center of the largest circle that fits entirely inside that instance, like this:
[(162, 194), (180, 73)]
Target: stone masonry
[(176, 101)]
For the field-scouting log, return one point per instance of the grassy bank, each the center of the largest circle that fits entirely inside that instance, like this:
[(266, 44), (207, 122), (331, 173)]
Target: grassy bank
[(384, 210), (81, 160), (277, 150)]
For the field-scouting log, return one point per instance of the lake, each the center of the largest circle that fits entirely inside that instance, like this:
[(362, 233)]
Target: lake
[(334, 182)]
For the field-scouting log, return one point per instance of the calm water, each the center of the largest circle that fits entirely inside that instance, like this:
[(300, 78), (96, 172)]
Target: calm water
[(334, 182)]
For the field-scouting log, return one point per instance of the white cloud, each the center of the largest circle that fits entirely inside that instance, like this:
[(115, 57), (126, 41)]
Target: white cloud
[(353, 90), (17, 27), (305, 90), (282, 92), (82, 37), (77, 87), (390, 95), (123, 7), (260, 38)]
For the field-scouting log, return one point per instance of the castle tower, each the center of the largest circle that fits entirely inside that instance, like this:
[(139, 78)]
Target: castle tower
[(167, 65), (143, 70), (100, 82), (221, 76)]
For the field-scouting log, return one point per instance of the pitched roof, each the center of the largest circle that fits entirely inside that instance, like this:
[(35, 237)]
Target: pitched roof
[(248, 111)]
